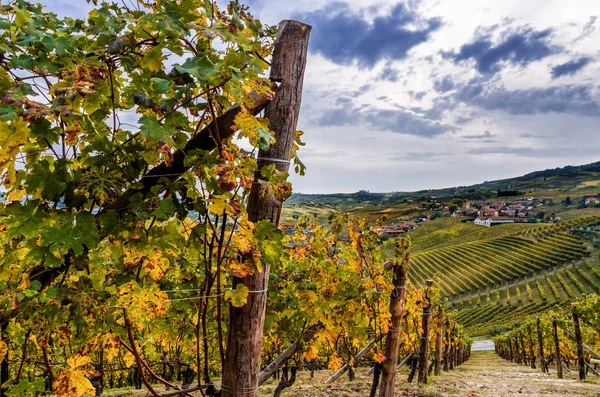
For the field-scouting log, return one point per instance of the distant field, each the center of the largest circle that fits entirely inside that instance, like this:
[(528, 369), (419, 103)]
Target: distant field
[(291, 213), (445, 232)]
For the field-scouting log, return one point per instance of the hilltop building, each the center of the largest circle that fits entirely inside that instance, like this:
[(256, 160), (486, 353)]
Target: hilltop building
[(493, 220)]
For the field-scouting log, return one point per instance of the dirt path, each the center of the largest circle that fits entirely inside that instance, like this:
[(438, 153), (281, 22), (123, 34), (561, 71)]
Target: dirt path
[(487, 375), (484, 375)]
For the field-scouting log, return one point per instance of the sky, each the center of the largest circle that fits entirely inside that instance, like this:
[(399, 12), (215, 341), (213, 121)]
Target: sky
[(418, 94)]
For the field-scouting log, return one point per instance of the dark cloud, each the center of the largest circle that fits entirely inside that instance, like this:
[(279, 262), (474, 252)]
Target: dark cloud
[(400, 121), (570, 68), (444, 85), (519, 47), (343, 36), (417, 95), (574, 99), (389, 73)]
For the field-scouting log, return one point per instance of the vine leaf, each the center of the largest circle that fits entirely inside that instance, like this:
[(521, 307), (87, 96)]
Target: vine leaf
[(239, 296)]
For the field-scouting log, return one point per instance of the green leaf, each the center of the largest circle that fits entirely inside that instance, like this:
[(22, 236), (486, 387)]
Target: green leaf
[(264, 138), (160, 85), (64, 232), (154, 131), (239, 296), (35, 285), (165, 210), (270, 241), (23, 220), (201, 68)]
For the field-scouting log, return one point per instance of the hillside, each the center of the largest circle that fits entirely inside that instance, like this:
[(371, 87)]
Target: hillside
[(555, 185)]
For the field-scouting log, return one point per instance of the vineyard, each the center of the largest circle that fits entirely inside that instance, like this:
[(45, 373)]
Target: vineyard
[(145, 153), (146, 253), (473, 266)]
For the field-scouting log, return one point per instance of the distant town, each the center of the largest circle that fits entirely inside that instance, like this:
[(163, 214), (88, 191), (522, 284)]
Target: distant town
[(486, 213)]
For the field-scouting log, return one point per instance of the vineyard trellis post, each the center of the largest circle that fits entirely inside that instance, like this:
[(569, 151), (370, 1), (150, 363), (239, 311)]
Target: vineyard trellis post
[(426, 327), (397, 301), (541, 345), (579, 340), (557, 358), (246, 324)]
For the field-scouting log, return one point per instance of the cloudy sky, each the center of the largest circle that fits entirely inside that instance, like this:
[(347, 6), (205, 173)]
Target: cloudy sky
[(407, 95)]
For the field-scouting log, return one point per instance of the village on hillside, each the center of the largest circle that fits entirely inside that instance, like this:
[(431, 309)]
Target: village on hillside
[(486, 213)]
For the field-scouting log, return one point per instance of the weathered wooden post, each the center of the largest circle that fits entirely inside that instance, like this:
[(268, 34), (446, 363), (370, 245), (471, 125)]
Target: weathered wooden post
[(541, 345), (512, 351), (400, 269), (579, 340), (426, 328), (517, 350), (246, 323), (439, 342), (557, 358)]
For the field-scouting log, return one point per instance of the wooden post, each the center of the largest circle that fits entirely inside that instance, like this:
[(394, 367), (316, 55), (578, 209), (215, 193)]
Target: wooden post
[(557, 358), (246, 323), (531, 349), (426, 328), (439, 342), (512, 351), (579, 339), (541, 345), (397, 301)]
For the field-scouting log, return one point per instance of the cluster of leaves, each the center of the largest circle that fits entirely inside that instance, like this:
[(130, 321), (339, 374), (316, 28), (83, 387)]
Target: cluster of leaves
[(88, 238), (334, 278)]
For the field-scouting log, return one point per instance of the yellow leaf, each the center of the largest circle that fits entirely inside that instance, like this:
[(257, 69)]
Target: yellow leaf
[(74, 382), (21, 16), (152, 59), (129, 359), (379, 357), (3, 349), (311, 353), (78, 361), (335, 363)]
